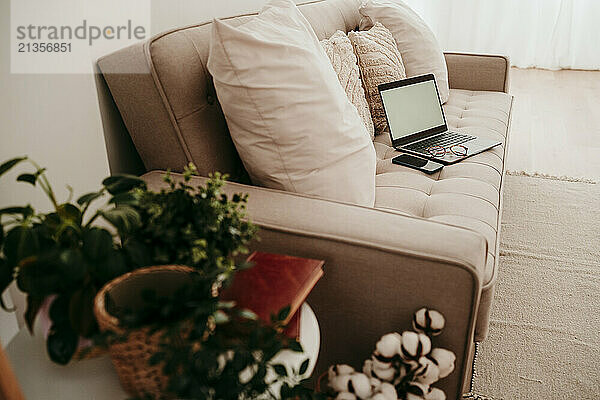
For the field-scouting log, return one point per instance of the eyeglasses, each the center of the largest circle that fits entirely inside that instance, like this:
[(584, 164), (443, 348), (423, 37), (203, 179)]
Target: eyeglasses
[(439, 151)]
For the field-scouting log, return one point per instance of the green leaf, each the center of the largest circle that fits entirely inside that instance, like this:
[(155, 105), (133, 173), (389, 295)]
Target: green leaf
[(139, 254), (248, 314), (295, 346), (280, 370), (227, 305), (244, 265), (6, 278), (72, 269), (24, 211), (61, 343), (286, 391), (81, 311), (304, 367), (69, 212), (97, 243), (7, 166), (59, 310), (89, 197), (34, 304), (128, 198), (221, 317), (20, 242), (51, 223), (122, 183), (29, 178), (40, 276), (6, 275), (283, 313), (110, 267), (124, 218)]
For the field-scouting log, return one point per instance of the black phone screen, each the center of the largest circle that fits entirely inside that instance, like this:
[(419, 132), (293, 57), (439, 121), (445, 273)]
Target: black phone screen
[(411, 160)]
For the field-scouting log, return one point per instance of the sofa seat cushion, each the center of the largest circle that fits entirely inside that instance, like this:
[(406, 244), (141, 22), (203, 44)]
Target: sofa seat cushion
[(465, 194)]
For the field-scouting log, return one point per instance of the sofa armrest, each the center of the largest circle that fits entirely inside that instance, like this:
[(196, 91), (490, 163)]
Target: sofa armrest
[(380, 267), (478, 71)]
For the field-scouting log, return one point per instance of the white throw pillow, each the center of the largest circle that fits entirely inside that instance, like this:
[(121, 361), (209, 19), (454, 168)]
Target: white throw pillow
[(380, 62), (289, 117), (341, 54), (418, 46)]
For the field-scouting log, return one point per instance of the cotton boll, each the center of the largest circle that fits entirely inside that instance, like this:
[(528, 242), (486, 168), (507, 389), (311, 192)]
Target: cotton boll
[(388, 391), (414, 345), (428, 371), (387, 374), (247, 373), (382, 374), (221, 362), (419, 388), (402, 371), (368, 368), (223, 358), (389, 345), (417, 391), (360, 385), (375, 384), (428, 321), (380, 362), (435, 394), (337, 370), (343, 369), (345, 396), (339, 383), (340, 369), (444, 360)]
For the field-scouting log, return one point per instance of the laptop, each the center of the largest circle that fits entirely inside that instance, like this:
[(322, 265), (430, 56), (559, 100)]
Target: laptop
[(418, 125)]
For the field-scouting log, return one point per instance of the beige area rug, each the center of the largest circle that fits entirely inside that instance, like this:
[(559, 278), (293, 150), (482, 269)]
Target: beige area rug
[(544, 340)]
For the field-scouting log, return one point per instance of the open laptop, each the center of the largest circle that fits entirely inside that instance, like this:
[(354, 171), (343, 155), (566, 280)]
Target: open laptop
[(418, 125)]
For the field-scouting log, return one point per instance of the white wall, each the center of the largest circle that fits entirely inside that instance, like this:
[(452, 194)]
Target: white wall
[(55, 118), (168, 14)]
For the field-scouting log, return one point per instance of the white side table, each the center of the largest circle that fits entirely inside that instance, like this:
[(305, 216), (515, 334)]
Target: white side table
[(96, 379)]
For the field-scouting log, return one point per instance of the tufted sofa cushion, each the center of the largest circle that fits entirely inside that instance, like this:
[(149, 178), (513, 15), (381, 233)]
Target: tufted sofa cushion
[(465, 194)]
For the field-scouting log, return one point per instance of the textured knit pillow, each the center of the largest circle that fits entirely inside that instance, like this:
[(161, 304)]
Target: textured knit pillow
[(290, 120), (380, 62), (420, 50), (340, 53)]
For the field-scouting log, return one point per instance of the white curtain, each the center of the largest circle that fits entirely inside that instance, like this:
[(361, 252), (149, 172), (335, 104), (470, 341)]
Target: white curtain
[(550, 34)]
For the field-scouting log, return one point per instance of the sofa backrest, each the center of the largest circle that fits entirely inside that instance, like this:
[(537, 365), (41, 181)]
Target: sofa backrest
[(167, 100)]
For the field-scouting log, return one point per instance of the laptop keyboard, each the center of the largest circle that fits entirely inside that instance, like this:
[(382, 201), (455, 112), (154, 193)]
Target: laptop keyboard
[(445, 139)]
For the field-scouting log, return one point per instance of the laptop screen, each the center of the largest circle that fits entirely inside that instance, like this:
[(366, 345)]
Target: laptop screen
[(412, 109)]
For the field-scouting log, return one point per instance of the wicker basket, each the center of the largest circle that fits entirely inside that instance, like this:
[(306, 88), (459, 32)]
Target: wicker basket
[(131, 357)]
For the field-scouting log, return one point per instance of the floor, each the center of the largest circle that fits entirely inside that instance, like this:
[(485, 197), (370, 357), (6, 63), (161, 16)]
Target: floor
[(556, 123)]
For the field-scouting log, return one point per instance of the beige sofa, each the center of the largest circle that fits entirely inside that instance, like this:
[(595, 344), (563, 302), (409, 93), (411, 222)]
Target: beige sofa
[(430, 240)]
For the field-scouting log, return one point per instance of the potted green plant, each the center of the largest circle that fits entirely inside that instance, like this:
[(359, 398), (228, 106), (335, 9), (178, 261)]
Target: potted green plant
[(201, 346), (169, 334), (62, 257), (196, 226)]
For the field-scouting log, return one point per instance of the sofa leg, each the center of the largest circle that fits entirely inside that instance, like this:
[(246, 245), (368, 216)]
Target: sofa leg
[(470, 376), (473, 366)]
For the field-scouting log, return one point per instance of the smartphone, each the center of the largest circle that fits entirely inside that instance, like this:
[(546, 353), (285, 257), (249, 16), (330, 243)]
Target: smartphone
[(422, 164)]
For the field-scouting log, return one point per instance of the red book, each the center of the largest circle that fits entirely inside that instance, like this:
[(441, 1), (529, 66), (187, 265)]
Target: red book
[(274, 282)]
